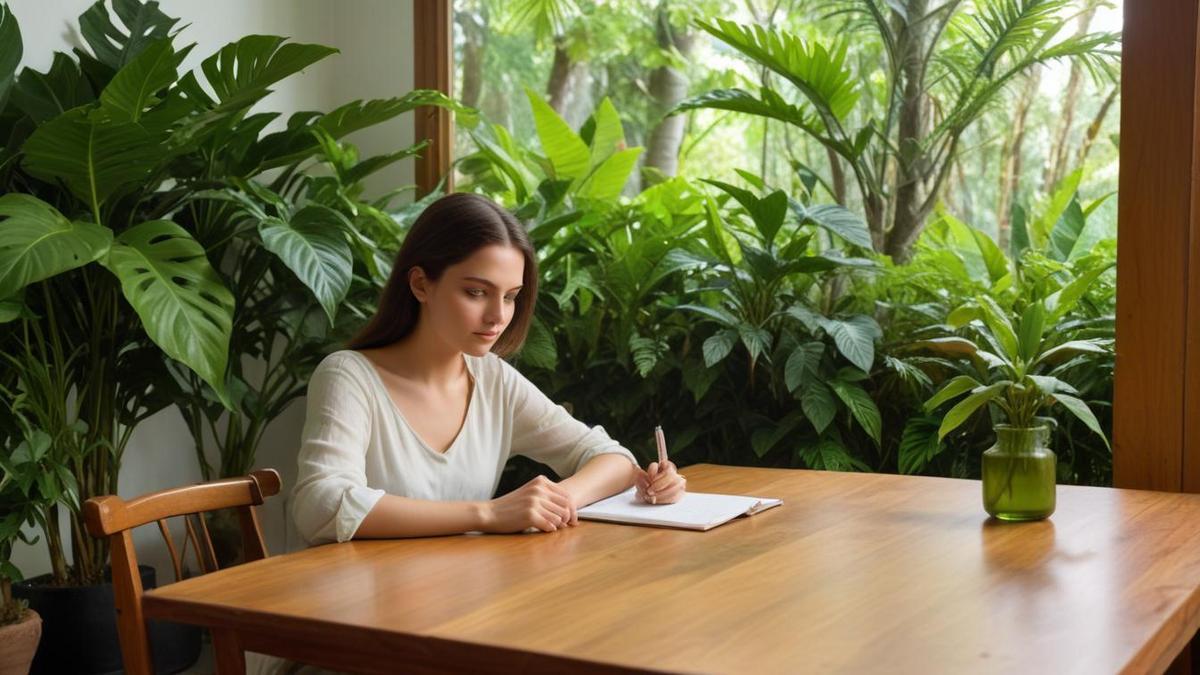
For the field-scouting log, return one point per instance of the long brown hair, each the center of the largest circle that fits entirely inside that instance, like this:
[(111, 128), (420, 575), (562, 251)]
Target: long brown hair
[(447, 232)]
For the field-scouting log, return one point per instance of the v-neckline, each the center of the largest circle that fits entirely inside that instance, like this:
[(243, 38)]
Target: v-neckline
[(472, 382)]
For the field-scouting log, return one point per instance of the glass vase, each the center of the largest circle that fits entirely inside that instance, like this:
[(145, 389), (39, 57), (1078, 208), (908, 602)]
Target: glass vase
[(1019, 474)]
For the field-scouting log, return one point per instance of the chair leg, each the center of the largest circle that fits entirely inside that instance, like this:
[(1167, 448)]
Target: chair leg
[(228, 655)]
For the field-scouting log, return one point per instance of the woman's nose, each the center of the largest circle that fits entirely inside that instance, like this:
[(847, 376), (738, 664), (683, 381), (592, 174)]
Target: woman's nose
[(495, 312)]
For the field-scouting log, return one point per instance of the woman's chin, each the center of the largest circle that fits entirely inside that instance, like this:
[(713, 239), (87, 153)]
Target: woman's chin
[(479, 348)]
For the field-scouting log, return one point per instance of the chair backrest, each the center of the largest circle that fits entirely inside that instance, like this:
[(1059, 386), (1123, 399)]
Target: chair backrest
[(113, 517)]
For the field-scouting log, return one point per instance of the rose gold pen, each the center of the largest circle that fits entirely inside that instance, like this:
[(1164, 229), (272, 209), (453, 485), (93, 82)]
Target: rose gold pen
[(661, 441)]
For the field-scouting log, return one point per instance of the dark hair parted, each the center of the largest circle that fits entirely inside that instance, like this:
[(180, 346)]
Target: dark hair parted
[(447, 232)]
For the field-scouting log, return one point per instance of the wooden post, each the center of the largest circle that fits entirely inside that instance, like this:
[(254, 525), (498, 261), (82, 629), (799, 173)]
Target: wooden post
[(433, 60), (1156, 402)]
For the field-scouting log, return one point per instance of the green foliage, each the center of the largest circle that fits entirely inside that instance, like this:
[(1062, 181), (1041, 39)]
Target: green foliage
[(869, 108), (1036, 338), (145, 254)]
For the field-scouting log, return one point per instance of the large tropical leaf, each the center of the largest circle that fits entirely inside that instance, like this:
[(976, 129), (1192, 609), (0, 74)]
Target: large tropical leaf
[(836, 219), (93, 154), (861, 407), (10, 51), (297, 142), (608, 179), (255, 62), (135, 86), (818, 404), (114, 47), (1042, 225), (567, 152), (855, 338), (314, 248), (820, 74), (607, 135), (718, 345), (38, 242), (801, 367), (1067, 231), (183, 305), (47, 95)]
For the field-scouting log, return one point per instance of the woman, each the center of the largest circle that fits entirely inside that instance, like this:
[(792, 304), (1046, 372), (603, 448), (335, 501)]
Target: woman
[(408, 430)]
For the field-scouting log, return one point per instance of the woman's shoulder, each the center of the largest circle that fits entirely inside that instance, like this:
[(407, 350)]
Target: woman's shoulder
[(345, 363)]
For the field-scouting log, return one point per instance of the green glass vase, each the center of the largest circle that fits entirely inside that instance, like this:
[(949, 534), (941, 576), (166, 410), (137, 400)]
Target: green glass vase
[(1019, 474)]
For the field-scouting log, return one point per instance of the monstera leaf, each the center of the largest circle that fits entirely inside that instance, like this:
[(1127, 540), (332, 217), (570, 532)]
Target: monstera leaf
[(179, 297), (38, 242), (115, 47)]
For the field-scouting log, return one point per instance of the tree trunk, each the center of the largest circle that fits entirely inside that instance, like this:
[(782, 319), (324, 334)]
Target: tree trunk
[(1010, 162), (668, 86), (838, 175), (564, 73), (1089, 137), (1056, 162), (911, 165), (474, 32)]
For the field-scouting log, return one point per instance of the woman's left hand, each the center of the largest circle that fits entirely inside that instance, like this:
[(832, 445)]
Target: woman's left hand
[(661, 484)]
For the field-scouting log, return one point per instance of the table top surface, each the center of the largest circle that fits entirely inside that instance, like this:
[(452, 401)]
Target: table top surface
[(855, 572)]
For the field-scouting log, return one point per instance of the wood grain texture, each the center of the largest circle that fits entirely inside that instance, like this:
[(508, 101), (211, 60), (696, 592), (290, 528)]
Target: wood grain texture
[(855, 572), (1158, 195), (433, 68)]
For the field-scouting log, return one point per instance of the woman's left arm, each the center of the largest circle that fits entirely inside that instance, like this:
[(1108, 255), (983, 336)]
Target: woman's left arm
[(602, 476)]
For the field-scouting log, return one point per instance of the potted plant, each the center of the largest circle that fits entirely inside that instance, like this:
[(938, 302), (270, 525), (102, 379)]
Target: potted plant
[(1016, 365), (20, 498), (114, 295)]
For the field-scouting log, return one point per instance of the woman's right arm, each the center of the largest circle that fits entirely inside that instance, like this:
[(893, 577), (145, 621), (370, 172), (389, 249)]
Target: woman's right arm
[(540, 503)]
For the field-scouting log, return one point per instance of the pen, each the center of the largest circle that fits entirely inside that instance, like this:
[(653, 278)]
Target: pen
[(661, 441)]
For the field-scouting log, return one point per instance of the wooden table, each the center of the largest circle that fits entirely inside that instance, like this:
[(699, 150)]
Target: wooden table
[(854, 573)]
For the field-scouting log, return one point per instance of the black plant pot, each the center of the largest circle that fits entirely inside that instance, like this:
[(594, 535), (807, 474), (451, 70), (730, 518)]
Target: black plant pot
[(79, 630)]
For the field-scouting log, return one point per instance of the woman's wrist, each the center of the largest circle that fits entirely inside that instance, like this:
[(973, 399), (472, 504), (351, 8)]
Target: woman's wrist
[(482, 515)]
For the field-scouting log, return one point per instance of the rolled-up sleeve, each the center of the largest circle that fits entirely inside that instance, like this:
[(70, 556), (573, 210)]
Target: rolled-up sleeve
[(331, 497), (546, 432)]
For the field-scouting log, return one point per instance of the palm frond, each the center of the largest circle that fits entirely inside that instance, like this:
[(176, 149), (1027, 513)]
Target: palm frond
[(997, 27), (819, 73)]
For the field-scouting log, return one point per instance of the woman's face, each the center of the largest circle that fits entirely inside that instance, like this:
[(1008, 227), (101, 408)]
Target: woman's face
[(474, 300)]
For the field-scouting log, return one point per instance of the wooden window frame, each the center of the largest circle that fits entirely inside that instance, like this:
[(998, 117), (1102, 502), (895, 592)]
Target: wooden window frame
[(1156, 402), (433, 68)]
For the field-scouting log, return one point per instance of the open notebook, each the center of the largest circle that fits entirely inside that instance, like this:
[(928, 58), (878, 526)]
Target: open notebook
[(696, 511)]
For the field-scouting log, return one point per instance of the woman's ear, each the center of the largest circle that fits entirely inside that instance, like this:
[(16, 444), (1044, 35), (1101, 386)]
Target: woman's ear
[(419, 284)]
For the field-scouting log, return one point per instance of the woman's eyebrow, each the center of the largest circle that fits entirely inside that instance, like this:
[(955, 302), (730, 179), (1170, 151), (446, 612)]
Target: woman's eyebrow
[(485, 282)]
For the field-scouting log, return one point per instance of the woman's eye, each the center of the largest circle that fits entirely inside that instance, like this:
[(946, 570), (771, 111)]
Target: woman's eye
[(475, 292), (510, 298)]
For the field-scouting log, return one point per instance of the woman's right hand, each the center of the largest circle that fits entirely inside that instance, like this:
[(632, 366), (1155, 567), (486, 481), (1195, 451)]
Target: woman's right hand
[(541, 503)]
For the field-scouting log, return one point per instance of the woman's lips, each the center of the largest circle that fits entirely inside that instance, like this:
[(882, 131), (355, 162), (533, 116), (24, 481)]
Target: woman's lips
[(489, 336)]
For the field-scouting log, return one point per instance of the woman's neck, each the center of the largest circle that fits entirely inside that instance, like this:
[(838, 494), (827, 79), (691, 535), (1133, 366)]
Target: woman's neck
[(424, 358)]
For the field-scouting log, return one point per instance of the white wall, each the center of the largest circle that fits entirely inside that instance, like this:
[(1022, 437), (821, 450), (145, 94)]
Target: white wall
[(375, 39)]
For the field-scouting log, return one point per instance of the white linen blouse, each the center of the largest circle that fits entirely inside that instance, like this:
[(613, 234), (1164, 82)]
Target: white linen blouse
[(357, 446)]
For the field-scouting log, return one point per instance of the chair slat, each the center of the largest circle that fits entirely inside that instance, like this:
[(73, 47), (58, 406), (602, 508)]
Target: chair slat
[(175, 562), (208, 545), (191, 533)]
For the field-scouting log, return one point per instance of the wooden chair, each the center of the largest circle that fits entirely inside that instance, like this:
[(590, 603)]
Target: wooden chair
[(112, 517)]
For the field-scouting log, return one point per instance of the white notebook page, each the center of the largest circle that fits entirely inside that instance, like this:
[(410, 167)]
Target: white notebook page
[(696, 511)]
